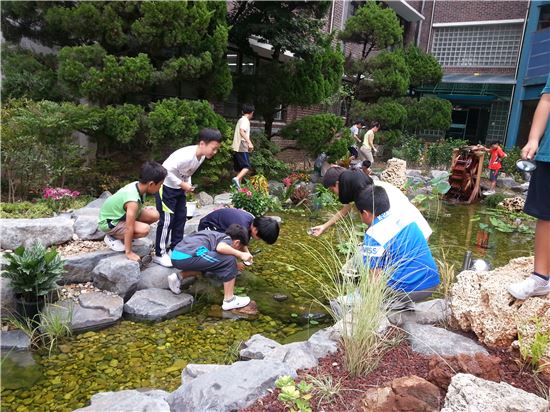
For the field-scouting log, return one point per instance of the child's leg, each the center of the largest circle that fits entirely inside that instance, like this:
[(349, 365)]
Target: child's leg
[(149, 215), (228, 288), (166, 204), (542, 247), (179, 219)]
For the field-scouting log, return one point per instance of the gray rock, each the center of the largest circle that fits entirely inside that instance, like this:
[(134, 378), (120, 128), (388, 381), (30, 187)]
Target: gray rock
[(257, 347), (127, 401), (194, 370), (429, 312), (205, 199), (14, 340), (323, 342), (97, 203), (229, 389), (506, 181), (93, 311), (117, 274), (7, 296), (276, 188), (154, 277), (222, 199), (156, 304), (48, 231), (86, 228), (280, 297), (3, 261), (438, 173), (429, 340), (277, 219), (414, 172), (468, 393), (79, 268), (192, 225), (86, 211), (297, 355)]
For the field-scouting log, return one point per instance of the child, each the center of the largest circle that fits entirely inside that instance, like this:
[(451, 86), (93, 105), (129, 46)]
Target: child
[(367, 147), (171, 200), (214, 252), (242, 145), (495, 159), (123, 217), (365, 167), (397, 245)]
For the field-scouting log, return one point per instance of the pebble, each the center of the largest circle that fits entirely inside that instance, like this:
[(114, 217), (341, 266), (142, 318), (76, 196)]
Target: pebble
[(74, 290), (280, 297)]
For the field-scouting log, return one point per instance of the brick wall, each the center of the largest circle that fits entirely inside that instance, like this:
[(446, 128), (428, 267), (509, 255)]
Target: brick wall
[(298, 159)]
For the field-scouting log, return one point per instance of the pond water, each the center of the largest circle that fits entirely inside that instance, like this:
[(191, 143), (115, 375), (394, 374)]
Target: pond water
[(137, 355)]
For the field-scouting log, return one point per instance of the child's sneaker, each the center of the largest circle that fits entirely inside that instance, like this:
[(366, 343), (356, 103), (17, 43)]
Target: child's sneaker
[(114, 244), (163, 260), (174, 283), (236, 302), (236, 182), (532, 286)]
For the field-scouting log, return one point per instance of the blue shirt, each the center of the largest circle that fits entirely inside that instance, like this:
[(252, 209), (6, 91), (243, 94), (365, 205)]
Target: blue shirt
[(543, 154), (396, 244), (220, 219)]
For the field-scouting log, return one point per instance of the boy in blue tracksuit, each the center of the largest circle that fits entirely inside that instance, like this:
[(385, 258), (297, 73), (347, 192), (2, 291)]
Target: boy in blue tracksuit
[(395, 244)]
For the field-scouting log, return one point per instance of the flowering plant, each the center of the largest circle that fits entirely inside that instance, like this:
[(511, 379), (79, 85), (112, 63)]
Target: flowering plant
[(291, 181), (58, 198), (250, 199)]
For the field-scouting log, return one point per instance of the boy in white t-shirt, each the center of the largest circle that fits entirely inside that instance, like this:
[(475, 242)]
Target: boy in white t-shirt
[(242, 145), (171, 199)]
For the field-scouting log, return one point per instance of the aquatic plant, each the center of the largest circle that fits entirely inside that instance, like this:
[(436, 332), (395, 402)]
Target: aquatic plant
[(447, 274)]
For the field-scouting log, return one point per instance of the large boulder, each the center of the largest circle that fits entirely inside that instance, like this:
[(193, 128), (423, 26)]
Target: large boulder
[(395, 172), (433, 311), (154, 277), (481, 303), (229, 389), (117, 274), (258, 347), (513, 204), (193, 370), (223, 199), (156, 304), (97, 203), (276, 188), (205, 199), (128, 401), (506, 182), (468, 393), (297, 355), (48, 231), (85, 227), (16, 340), (79, 268)]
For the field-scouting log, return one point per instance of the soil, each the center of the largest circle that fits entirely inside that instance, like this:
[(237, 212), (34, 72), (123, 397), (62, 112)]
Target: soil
[(398, 362)]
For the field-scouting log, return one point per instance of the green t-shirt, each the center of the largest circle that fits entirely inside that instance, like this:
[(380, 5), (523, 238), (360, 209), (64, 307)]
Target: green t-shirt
[(113, 210)]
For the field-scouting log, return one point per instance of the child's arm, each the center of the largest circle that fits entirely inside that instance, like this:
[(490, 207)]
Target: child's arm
[(131, 216), (319, 230), (225, 249)]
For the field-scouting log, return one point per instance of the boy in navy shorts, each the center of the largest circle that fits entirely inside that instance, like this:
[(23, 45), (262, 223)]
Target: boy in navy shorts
[(242, 145)]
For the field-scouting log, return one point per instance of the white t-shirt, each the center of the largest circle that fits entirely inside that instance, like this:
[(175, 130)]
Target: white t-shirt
[(181, 165), (401, 206), (239, 144)]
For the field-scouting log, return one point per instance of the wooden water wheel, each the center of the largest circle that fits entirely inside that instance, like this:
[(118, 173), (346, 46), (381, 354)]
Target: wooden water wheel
[(465, 177)]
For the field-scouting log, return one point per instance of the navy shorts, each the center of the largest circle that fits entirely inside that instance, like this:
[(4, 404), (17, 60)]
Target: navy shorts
[(493, 174), (223, 267), (537, 203), (241, 160)]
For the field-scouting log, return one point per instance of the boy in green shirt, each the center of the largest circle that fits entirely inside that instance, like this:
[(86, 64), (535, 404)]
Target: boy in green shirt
[(122, 216)]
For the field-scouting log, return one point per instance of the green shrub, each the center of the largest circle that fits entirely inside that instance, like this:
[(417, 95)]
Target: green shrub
[(390, 113), (389, 72), (263, 158), (24, 210), (439, 154), (122, 123), (509, 163), (251, 200), (410, 149), (429, 113)]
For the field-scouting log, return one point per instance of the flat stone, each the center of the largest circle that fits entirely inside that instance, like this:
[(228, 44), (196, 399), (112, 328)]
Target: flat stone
[(430, 340), (85, 227), (79, 268), (117, 274), (222, 199), (156, 304), (280, 297), (97, 203), (205, 199), (469, 393), (48, 231), (506, 182), (323, 342), (297, 355), (229, 389), (429, 312), (7, 296), (154, 277), (127, 401), (14, 340), (194, 370), (277, 219), (86, 211), (192, 225), (257, 347)]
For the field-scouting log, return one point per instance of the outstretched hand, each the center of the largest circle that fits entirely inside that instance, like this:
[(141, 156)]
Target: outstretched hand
[(529, 150)]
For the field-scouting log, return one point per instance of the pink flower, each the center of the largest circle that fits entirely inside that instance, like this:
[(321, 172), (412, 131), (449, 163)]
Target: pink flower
[(58, 193), (287, 181), (248, 193)]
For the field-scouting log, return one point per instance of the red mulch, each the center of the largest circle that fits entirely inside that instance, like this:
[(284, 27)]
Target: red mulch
[(398, 362)]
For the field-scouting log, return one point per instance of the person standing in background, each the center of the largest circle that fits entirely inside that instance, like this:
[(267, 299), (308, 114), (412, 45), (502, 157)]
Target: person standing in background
[(368, 148), (242, 145)]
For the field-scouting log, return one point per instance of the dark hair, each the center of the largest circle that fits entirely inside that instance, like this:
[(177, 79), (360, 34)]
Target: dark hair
[(208, 135), (248, 108), (373, 199), (152, 172), (366, 163), (363, 122), (374, 124), (268, 229), (332, 175), (358, 121), (237, 232)]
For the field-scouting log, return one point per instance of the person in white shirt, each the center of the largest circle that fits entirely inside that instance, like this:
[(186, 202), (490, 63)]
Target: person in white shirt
[(171, 199), (242, 145)]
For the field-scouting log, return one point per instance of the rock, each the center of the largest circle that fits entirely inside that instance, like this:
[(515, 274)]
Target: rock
[(297, 355), (48, 231), (481, 303), (409, 393), (192, 225), (7, 296), (513, 204), (222, 199), (276, 188), (154, 277), (117, 274), (257, 347), (280, 297), (97, 203), (441, 370), (436, 174), (323, 342), (395, 172), (229, 389), (194, 370), (14, 340), (467, 393), (86, 211), (506, 181), (205, 199), (429, 312), (79, 268), (429, 340), (156, 304), (415, 173), (85, 228), (92, 311), (128, 401)]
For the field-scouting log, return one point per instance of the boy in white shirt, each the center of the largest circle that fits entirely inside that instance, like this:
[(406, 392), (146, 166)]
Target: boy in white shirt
[(171, 199), (242, 145)]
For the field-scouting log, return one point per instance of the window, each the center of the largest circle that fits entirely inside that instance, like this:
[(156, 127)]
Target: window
[(544, 18), (233, 62), (494, 45), (248, 65)]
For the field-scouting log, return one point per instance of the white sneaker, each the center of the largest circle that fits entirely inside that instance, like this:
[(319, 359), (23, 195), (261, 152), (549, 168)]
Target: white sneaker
[(532, 286), (236, 182), (236, 303), (114, 244), (174, 283), (488, 193), (163, 260)]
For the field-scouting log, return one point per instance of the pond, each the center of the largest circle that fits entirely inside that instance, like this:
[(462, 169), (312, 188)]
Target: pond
[(137, 355)]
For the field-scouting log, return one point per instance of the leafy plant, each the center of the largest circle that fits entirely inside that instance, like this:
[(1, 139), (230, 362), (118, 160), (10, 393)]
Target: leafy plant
[(259, 182), (326, 388), (533, 352), (410, 149), (439, 186), (33, 271), (251, 200), (263, 158), (324, 198), (294, 395), (439, 153), (504, 221)]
